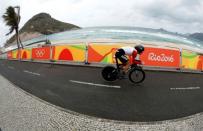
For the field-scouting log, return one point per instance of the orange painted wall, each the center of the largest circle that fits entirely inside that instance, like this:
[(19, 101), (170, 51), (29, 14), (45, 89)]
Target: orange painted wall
[(161, 57)]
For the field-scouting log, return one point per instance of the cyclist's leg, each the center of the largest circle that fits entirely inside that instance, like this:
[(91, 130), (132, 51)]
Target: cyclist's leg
[(118, 56), (125, 63)]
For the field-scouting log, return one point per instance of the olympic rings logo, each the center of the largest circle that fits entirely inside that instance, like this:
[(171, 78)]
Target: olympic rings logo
[(40, 53)]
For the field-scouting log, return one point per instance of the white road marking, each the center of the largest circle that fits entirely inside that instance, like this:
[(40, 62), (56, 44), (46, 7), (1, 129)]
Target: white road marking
[(93, 84), (186, 88), (33, 73), (11, 67)]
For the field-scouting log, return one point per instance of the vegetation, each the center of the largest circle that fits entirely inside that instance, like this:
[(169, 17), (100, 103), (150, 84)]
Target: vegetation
[(12, 19)]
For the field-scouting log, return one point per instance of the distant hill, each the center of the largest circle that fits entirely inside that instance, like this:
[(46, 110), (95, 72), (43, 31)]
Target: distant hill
[(41, 24), (198, 36)]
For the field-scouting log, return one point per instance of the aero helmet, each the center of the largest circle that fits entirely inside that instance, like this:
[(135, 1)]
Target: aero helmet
[(139, 48)]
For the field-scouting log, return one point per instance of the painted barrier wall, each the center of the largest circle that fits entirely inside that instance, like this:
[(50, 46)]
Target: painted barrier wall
[(74, 52), (102, 53), (42, 53), (150, 57), (161, 57), (26, 54), (192, 60), (9, 55), (15, 54)]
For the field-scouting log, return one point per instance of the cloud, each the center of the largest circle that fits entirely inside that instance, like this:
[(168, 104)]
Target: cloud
[(177, 13), (180, 15), (191, 3)]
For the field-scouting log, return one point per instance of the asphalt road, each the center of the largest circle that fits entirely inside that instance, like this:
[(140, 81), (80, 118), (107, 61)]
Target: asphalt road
[(162, 96)]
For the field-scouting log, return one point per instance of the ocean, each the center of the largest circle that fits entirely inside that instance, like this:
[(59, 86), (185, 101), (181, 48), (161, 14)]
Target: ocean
[(119, 34)]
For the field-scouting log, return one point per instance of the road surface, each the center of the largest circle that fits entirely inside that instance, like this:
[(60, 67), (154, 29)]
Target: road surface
[(162, 96)]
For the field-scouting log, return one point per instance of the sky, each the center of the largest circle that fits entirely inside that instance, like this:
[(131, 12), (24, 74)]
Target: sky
[(183, 16)]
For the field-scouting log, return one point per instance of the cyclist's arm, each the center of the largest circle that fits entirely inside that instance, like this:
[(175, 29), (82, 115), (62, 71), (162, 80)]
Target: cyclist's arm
[(138, 62), (134, 60)]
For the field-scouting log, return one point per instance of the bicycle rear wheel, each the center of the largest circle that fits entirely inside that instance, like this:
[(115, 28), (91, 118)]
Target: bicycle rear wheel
[(136, 75), (109, 73)]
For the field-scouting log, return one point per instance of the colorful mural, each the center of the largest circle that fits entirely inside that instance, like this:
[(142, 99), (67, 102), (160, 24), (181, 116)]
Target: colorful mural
[(152, 56), (26, 54), (16, 54), (102, 53), (161, 57), (74, 52), (9, 55), (192, 60), (41, 53)]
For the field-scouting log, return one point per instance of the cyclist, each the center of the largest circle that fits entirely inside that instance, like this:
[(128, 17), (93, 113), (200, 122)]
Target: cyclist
[(127, 50)]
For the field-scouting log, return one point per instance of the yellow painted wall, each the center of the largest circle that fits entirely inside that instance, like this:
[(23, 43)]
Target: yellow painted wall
[(189, 59), (77, 51), (28, 53)]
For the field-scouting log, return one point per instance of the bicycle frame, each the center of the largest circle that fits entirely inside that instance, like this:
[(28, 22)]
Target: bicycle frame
[(134, 64)]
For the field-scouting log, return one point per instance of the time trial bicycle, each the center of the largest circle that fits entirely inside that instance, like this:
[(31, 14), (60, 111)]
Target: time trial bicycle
[(135, 72)]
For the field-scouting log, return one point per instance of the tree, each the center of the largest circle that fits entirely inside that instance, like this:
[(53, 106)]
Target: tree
[(12, 20)]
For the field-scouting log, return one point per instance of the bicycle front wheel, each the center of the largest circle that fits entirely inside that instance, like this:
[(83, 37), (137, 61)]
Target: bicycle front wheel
[(136, 75)]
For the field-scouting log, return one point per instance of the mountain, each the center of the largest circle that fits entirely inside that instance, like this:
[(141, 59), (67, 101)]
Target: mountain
[(198, 36), (41, 24)]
